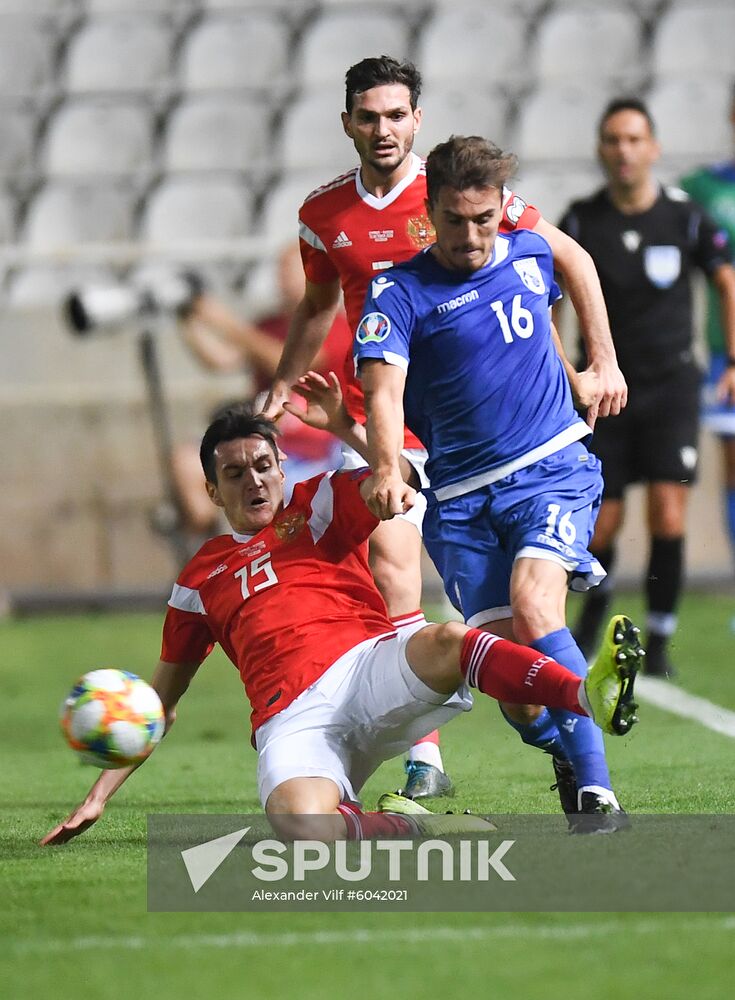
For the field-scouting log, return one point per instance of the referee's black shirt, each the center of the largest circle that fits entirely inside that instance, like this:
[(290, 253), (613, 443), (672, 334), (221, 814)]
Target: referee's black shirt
[(645, 263)]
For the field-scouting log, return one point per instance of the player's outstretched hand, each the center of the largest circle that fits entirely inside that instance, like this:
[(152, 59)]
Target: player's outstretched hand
[(325, 408), (81, 819), (387, 496)]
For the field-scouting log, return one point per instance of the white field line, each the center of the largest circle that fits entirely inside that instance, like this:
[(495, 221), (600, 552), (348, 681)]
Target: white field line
[(365, 936), (672, 699)]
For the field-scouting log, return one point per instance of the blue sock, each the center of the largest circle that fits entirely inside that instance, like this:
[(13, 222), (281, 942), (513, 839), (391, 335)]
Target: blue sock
[(542, 733), (581, 738), (730, 511)]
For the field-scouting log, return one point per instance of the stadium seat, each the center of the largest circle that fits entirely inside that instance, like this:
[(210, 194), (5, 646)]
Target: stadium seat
[(218, 133), (27, 61), (454, 111), (278, 220), (99, 137), (63, 213), (293, 11), (552, 190), (44, 285), (312, 136), (176, 11), (339, 38), (17, 142), (527, 9), (585, 42), (237, 51), (121, 53), (197, 208), (491, 48), (691, 40), (558, 122), (692, 118)]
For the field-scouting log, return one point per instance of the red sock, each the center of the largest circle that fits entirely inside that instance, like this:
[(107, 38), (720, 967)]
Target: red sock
[(517, 674), (366, 826)]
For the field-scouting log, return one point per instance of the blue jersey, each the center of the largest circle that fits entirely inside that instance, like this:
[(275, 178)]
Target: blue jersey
[(486, 391)]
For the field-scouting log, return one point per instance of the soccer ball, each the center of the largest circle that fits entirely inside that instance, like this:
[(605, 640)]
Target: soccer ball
[(112, 718)]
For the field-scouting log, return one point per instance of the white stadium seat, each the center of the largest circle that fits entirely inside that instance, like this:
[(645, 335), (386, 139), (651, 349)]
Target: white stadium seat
[(461, 111), (176, 10), (99, 137), (586, 43), (469, 45), (62, 214), (691, 40), (279, 215), (692, 118), (27, 61), (236, 51), (312, 136), (551, 190), (559, 123), (339, 38), (217, 133), (198, 208), (122, 53), (44, 285)]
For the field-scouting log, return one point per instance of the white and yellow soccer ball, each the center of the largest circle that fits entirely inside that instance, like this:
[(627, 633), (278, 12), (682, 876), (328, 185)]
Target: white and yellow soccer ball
[(112, 718)]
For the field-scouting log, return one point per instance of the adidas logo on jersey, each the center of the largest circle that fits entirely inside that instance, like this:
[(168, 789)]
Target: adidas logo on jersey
[(342, 241)]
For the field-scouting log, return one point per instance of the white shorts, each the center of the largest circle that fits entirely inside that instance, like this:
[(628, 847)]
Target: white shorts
[(369, 706), (416, 457)]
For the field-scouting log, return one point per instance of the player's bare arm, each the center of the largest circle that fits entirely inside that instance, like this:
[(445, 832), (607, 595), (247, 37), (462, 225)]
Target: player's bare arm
[(222, 340), (724, 281), (326, 411), (170, 681), (383, 385), (583, 284), (309, 327)]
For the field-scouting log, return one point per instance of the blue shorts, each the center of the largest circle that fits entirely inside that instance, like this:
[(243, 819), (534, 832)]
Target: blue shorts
[(717, 417), (545, 511)]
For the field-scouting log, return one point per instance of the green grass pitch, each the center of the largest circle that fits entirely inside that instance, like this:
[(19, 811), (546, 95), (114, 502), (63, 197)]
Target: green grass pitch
[(73, 921)]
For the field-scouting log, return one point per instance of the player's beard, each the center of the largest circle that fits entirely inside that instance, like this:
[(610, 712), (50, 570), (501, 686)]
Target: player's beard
[(389, 166)]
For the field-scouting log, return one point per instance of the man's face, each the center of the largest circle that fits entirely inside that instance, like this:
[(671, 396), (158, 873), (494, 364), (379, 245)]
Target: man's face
[(249, 484), (466, 224), (382, 126), (627, 149)]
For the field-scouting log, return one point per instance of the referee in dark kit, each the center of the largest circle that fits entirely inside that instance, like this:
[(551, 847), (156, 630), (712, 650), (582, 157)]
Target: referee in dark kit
[(646, 240)]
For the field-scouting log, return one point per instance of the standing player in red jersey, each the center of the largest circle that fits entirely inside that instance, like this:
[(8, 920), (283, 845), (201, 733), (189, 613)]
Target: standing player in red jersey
[(363, 223), (334, 688)]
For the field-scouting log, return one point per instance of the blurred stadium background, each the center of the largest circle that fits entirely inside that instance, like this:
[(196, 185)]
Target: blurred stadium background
[(142, 133)]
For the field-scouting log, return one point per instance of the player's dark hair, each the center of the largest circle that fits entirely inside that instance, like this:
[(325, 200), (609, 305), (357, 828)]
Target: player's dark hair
[(377, 72), (464, 162), (625, 104), (234, 421)]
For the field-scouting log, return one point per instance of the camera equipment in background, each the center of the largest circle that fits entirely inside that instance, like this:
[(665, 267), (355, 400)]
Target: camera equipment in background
[(150, 294)]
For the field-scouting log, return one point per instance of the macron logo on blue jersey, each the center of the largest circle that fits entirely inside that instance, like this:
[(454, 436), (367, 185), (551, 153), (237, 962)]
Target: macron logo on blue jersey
[(461, 300)]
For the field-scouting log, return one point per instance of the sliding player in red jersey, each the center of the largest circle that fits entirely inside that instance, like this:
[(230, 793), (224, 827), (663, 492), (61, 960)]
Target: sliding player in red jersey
[(335, 688), (354, 228)]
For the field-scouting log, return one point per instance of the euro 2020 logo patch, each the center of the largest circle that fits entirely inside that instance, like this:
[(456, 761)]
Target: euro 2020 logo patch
[(373, 328)]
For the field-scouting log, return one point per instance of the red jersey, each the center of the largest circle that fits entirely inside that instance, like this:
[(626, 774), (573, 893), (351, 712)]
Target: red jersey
[(284, 604), (348, 233)]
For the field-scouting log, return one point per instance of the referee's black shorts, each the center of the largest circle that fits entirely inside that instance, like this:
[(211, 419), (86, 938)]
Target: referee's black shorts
[(655, 437)]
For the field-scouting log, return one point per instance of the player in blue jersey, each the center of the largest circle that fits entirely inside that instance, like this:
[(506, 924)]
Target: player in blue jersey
[(461, 336)]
